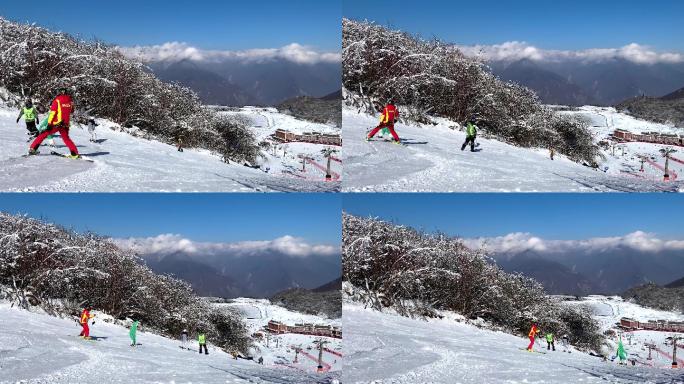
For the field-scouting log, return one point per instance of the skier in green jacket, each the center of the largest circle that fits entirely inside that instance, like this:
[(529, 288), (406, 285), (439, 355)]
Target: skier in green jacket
[(621, 352), (133, 331), (202, 339), (471, 134), (30, 117), (550, 341)]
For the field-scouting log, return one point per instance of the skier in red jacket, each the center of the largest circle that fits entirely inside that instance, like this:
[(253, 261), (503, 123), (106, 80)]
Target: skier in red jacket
[(533, 333), (58, 122), (85, 316), (387, 119)]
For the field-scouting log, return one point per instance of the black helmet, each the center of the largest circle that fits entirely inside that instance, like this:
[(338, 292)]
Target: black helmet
[(29, 103), (62, 91)]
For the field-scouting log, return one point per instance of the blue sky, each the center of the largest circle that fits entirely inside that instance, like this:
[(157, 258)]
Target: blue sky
[(206, 24), (550, 216), (565, 25), (200, 217)]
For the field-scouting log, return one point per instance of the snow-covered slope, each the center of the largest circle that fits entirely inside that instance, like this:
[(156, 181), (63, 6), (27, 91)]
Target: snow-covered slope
[(445, 351), (37, 348), (125, 163), (432, 161), (280, 349)]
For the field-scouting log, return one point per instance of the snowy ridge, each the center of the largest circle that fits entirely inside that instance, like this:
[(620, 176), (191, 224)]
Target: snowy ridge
[(37, 348), (446, 351), (125, 163), (432, 160)]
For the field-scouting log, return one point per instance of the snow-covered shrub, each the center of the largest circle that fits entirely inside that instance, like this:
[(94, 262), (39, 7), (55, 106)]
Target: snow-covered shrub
[(435, 78), (65, 270), (414, 272), (35, 62)]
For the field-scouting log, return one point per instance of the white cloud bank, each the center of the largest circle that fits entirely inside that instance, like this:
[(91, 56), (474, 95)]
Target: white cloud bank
[(171, 243), (519, 242), (176, 51), (517, 50)]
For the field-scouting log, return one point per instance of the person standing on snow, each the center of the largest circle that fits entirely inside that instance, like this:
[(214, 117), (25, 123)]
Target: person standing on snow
[(91, 130), (58, 121), (85, 316), (387, 120), (133, 331), (184, 339), (532, 334), (621, 352), (202, 339), (550, 341), (30, 118), (471, 134), (565, 342)]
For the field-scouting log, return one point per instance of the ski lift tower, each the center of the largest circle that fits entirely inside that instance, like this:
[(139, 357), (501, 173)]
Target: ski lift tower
[(321, 343), (674, 350), (328, 152), (666, 154)]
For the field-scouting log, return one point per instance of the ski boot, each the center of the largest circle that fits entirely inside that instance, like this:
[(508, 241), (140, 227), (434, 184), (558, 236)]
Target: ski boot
[(73, 156), (33, 151)]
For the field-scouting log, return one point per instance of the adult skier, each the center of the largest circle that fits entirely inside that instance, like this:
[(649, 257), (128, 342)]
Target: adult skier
[(565, 342), (133, 331), (387, 120), (202, 339), (30, 117), (91, 130), (58, 121), (85, 316), (184, 339), (532, 334), (550, 341), (471, 134)]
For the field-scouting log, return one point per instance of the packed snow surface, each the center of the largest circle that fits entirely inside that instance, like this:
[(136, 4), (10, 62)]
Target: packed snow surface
[(37, 348), (432, 160), (126, 163), (446, 351)]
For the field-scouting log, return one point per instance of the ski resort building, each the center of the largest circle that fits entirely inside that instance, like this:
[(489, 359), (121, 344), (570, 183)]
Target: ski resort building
[(286, 136), (276, 327), (652, 325), (305, 329), (622, 135)]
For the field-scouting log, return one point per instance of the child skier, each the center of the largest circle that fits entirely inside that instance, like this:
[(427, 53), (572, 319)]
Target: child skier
[(471, 134), (202, 339), (91, 130), (58, 121), (532, 334), (133, 331), (85, 316), (550, 341), (30, 117), (184, 339), (387, 120)]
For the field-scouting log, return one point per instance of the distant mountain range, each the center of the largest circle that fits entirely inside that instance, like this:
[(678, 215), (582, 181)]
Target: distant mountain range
[(576, 82), (326, 110), (668, 109), (325, 299), (239, 83), (259, 276), (669, 297), (609, 272)]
